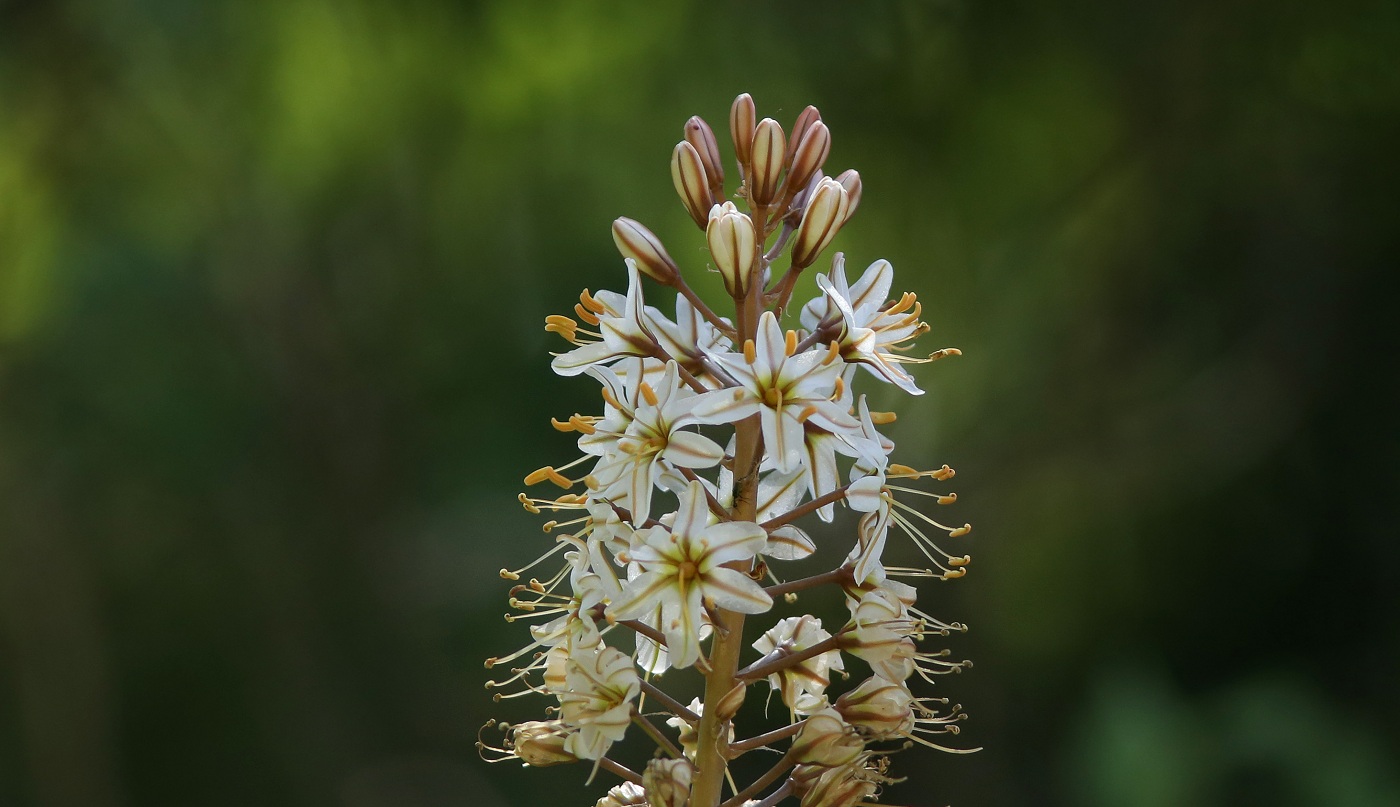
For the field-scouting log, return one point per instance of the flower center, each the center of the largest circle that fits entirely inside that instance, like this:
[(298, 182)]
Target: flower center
[(687, 570)]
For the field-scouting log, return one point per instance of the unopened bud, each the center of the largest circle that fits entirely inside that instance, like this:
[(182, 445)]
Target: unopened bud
[(810, 154), (805, 119), (741, 126), (768, 146), (728, 705), (699, 135), (641, 245), (730, 235), (825, 213), (688, 174), (667, 782), (838, 787), (878, 708), (850, 180), (540, 743), (627, 794), (826, 740)]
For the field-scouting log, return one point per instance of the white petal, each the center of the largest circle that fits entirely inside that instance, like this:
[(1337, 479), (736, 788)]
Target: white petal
[(863, 494), (771, 347), (722, 406), (731, 540), (691, 450), (736, 592), (789, 543), (693, 514), (642, 595)]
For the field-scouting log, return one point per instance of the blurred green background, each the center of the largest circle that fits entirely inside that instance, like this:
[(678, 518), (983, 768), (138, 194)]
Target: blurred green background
[(272, 277)]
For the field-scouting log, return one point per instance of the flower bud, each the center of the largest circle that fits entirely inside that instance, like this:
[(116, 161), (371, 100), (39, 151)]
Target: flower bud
[(825, 213), (741, 126), (729, 705), (730, 235), (688, 174), (627, 794), (878, 708), (700, 136), (826, 740), (540, 743), (850, 180), (804, 121), (839, 787), (667, 782), (810, 154), (768, 146), (641, 245)]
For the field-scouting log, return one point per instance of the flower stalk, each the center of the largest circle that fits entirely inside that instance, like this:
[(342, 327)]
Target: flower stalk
[(718, 437)]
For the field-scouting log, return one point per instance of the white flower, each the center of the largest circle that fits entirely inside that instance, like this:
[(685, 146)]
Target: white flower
[(872, 331), (600, 686), (793, 635), (621, 330), (688, 339), (784, 387), (654, 439), (684, 567)]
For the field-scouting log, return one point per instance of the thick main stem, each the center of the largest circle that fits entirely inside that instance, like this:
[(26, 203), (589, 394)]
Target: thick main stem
[(711, 756)]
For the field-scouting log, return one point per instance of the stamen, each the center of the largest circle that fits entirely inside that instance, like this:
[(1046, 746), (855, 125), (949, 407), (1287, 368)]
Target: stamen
[(648, 393), (591, 303), (833, 352), (790, 346), (882, 418), (750, 351), (585, 315)]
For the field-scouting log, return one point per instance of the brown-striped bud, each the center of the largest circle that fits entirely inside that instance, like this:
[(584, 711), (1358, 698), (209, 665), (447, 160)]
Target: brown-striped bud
[(688, 173), (540, 743), (810, 154), (768, 145), (699, 135), (825, 213), (826, 740), (667, 782), (839, 787), (641, 245), (805, 119), (741, 125), (878, 708), (850, 180), (728, 705), (730, 235)]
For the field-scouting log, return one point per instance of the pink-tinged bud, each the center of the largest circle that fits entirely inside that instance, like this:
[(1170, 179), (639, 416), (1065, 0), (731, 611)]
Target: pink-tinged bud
[(540, 743), (826, 740), (730, 235), (850, 180), (768, 146), (878, 708), (699, 135), (688, 174), (641, 245), (825, 213), (741, 125), (667, 782), (810, 155), (805, 119)]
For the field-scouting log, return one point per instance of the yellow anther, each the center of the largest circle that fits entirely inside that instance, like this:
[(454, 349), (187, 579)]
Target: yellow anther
[(790, 345), (584, 314), (833, 352), (840, 389), (560, 321), (942, 474), (881, 418), (958, 562), (960, 531), (562, 425), (897, 469), (608, 396), (954, 574), (948, 498), (750, 352), (549, 525), (591, 303), (507, 574), (572, 498), (592, 482), (539, 476), (581, 425), (529, 505), (806, 413), (944, 353), (647, 392), (563, 330), (559, 479)]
